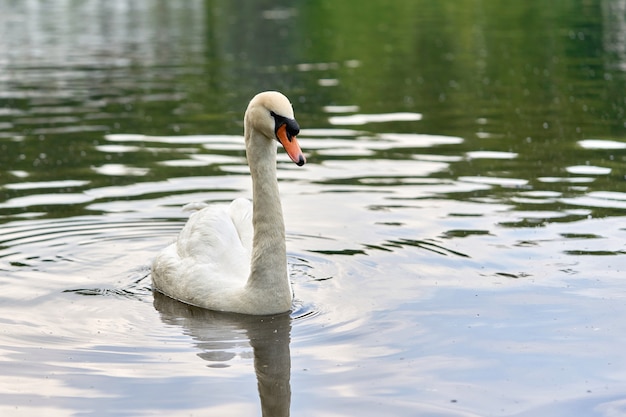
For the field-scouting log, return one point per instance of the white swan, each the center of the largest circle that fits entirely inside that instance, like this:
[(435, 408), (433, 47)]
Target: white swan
[(233, 258)]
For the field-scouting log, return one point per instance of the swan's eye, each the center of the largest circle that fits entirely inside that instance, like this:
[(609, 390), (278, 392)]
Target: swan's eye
[(291, 126)]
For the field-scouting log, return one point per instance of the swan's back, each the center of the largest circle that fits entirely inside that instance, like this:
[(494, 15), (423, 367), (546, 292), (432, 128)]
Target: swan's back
[(212, 251)]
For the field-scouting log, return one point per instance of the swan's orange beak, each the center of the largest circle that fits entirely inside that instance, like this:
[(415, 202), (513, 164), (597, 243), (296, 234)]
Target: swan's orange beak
[(290, 143)]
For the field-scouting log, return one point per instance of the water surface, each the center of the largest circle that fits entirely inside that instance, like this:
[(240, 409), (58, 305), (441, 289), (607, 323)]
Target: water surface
[(456, 238)]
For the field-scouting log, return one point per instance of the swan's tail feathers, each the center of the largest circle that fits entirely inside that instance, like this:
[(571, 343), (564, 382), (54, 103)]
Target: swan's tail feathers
[(240, 210), (195, 206)]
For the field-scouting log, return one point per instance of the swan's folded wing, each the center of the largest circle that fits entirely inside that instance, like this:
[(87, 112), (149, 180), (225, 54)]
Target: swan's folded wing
[(210, 237), (207, 261), (240, 211)]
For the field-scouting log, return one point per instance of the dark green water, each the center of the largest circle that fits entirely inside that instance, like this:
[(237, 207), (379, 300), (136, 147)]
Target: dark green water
[(456, 238)]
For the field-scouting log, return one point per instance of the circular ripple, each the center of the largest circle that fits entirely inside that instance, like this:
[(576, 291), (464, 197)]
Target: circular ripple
[(86, 256)]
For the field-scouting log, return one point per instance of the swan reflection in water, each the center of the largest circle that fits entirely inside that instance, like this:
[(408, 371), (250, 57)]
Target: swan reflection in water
[(215, 333)]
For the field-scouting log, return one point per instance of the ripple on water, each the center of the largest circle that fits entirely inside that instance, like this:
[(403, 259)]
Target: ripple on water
[(101, 256), (46, 200), (188, 139), (599, 199), (329, 133), (420, 140), (340, 109), (503, 182), (117, 148), (45, 184), (92, 255), (136, 285), (572, 180), (303, 311), (588, 170), (118, 170), (601, 144), (38, 230), (361, 119), (491, 155)]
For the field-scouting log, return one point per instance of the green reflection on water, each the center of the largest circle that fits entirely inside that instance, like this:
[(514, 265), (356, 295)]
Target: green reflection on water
[(530, 78)]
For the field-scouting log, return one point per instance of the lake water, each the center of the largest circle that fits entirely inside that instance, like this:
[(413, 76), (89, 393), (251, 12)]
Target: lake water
[(457, 239)]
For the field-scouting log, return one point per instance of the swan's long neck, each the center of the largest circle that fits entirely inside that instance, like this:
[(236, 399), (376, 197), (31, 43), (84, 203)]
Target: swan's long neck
[(268, 271)]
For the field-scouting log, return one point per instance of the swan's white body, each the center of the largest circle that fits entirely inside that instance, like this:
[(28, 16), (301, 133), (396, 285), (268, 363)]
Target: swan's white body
[(233, 257)]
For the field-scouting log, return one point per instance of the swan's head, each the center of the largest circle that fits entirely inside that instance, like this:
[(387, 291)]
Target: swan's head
[(270, 113)]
